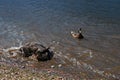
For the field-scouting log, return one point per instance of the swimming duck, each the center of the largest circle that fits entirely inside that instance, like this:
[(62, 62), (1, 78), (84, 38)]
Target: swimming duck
[(78, 34)]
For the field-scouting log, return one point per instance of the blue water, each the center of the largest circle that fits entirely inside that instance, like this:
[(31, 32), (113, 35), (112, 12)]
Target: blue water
[(52, 20)]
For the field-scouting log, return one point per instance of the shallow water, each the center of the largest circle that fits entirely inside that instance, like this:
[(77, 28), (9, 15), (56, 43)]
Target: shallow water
[(50, 22)]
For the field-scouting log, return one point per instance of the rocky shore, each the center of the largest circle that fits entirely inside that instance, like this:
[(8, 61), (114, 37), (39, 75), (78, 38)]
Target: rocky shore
[(15, 67), (8, 72)]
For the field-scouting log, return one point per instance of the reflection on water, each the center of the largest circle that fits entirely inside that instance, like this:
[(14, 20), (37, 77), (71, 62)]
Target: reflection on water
[(50, 21)]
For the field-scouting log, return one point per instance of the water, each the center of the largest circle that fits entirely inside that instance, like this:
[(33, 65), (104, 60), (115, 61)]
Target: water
[(48, 21)]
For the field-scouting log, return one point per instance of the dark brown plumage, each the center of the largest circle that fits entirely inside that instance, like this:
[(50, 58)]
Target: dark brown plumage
[(38, 50)]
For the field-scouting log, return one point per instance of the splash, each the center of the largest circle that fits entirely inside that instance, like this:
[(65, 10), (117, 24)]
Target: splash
[(12, 51)]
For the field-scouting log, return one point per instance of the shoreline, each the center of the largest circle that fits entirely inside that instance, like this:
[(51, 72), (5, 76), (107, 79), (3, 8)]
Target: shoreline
[(8, 71)]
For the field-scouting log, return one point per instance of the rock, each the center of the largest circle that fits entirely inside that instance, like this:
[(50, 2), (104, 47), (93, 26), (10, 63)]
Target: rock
[(60, 65), (12, 73), (52, 66), (1, 52), (90, 53), (53, 41), (58, 42), (22, 67)]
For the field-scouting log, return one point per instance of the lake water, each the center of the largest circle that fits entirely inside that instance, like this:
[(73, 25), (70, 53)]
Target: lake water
[(48, 21)]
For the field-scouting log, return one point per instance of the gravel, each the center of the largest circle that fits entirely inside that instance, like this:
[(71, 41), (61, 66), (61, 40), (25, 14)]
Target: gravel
[(8, 72)]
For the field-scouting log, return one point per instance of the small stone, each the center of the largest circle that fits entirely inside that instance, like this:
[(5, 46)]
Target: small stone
[(113, 76), (58, 42), (52, 48), (60, 65), (33, 79), (52, 66), (53, 41), (60, 78), (12, 73), (23, 67)]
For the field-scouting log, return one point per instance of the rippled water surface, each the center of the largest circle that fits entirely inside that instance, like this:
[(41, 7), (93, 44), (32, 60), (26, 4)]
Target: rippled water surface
[(50, 22)]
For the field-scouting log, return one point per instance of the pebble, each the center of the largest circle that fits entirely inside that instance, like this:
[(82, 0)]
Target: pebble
[(52, 48), (52, 66), (53, 41), (113, 76), (55, 52), (58, 42), (60, 65), (12, 73), (23, 67), (33, 79), (1, 52), (60, 78), (90, 53)]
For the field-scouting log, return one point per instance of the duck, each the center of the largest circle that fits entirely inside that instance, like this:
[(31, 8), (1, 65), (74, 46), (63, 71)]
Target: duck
[(78, 34), (37, 50)]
